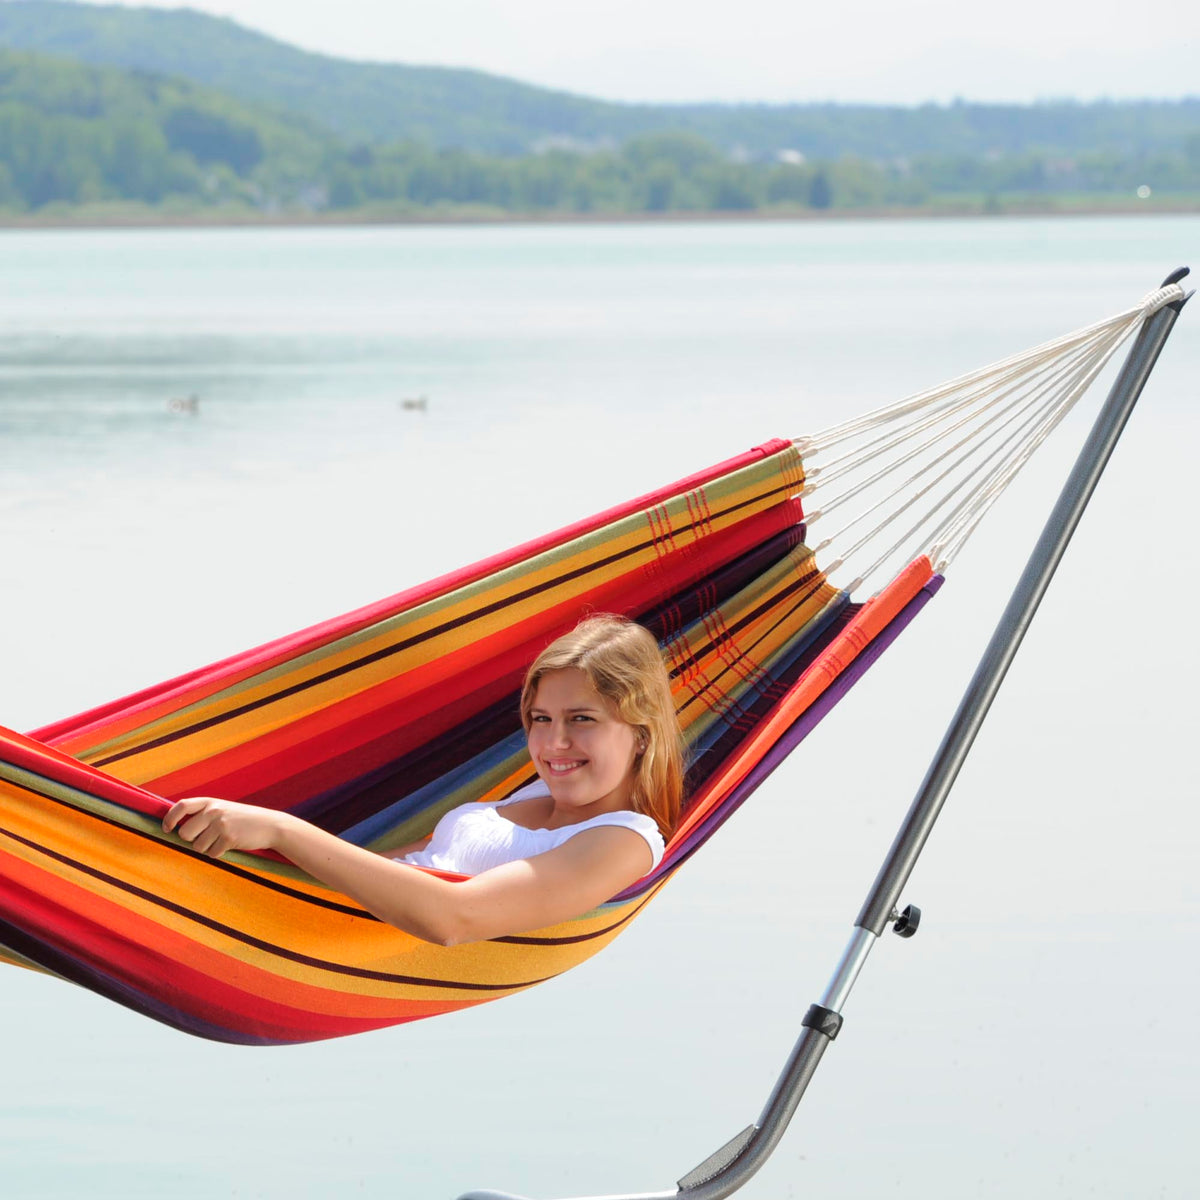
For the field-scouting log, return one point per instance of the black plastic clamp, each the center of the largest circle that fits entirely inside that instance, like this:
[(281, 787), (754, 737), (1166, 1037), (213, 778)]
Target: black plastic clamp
[(823, 1020), (907, 923)]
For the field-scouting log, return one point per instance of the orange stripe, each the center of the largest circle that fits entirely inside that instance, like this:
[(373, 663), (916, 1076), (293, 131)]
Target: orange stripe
[(869, 622), (256, 982)]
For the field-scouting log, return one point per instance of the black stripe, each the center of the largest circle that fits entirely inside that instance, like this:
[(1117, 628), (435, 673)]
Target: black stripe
[(283, 889), (748, 618), (259, 943), (355, 799), (95, 980), (528, 940), (407, 643), (180, 848)]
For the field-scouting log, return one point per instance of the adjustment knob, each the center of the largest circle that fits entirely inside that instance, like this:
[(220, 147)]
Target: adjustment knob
[(907, 923)]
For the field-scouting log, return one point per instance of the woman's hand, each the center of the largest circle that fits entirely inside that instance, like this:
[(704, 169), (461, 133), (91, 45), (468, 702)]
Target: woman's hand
[(214, 826)]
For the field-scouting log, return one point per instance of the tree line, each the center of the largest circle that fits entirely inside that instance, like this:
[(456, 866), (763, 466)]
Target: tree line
[(73, 135), (680, 172)]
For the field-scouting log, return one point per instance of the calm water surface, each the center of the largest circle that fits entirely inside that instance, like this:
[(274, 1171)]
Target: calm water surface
[(1037, 1039)]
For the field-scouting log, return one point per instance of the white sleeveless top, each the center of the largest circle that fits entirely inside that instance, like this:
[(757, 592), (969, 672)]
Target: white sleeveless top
[(474, 838)]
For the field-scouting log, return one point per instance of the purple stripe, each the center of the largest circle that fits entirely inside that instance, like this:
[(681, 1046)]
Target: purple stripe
[(66, 966), (833, 694), (797, 732)]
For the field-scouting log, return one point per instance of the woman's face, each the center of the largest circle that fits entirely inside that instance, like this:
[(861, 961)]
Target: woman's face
[(580, 746)]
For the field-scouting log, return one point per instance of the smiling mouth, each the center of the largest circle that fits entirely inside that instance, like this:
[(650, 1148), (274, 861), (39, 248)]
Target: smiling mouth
[(562, 767)]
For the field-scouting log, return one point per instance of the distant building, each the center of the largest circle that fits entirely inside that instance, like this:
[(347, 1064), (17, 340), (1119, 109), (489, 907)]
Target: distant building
[(571, 145)]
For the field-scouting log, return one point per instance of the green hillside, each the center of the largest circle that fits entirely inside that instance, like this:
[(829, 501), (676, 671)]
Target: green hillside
[(359, 101), (78, 134), (473, 111), (167, 137)]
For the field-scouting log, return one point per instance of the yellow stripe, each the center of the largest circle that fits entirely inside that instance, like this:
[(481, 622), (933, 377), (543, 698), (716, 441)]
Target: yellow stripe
[(274, 918), (624, 536)]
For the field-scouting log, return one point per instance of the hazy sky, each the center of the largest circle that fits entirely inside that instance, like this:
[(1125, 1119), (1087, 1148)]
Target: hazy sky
[(683, 50)]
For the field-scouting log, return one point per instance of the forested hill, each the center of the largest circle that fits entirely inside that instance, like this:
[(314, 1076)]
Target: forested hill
[(144, 114), (77, 134), (369, 102), (381, 102)]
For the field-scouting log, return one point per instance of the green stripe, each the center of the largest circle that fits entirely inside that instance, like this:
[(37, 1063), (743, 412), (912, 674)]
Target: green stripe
[(758, 479)]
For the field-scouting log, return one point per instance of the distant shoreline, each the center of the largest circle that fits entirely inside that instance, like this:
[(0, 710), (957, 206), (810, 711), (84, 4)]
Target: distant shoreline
[(120, 217)]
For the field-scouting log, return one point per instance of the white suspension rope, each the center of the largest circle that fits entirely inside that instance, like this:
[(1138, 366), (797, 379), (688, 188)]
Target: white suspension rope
[(942, 553), (1015, 364), (1023, 399), (960, 445), (1040, 418), (977, 397), (974, 447)]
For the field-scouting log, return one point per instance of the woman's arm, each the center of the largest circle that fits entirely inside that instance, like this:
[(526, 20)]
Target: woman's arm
[(528, 894)]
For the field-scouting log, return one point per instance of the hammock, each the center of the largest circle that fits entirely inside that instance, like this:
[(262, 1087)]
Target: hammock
[(375, 723)]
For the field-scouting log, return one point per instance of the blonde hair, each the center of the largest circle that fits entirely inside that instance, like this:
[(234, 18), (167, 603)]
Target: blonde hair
[(622, 662)]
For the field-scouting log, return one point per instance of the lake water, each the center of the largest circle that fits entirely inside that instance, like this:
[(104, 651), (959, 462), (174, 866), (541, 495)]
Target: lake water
[(1038, 1038)]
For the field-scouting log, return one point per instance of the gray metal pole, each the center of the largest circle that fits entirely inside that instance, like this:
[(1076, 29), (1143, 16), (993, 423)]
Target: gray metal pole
[(724, 1172), (981, 691)]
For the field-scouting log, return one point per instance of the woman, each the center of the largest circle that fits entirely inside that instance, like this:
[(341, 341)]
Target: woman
[(602, 733)]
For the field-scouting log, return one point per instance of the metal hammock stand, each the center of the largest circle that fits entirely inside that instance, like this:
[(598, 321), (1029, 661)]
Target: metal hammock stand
[(726, 1170)]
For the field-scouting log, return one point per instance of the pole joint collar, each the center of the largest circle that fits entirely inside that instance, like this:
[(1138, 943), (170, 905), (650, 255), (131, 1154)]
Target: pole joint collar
[(823, 1020)]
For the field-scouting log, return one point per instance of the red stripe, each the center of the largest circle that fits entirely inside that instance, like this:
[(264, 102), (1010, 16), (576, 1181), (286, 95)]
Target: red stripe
[(51, 764), (871, 619), (206, 680), (121, 945), (376, 726)]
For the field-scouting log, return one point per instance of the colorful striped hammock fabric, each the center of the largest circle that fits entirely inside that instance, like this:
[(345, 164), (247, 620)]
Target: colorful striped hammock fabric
[(375, 723)]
